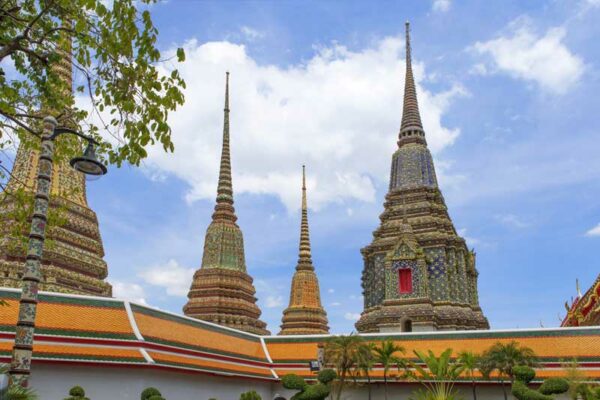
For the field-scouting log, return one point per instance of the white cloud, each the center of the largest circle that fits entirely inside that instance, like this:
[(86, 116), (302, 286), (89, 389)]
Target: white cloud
[(478, 69), (330, 290), (251, 34), (352, 316), (129, 291), (171, 276), (441, 5), (595, 231), (523, 53), (335, 108), (512, 221), (335, 304), (471, 241), (274, 301)]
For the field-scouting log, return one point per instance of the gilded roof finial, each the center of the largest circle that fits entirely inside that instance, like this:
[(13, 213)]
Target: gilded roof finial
[(224, 209), (304, 256), (411, 118)]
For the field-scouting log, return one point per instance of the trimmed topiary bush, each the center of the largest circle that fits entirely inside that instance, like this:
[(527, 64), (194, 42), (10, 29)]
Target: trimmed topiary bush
[(251, 395), (151, 394), (318, 391), (77, 393), (523, 375), (554, 386), (326, 376), (293, 382)]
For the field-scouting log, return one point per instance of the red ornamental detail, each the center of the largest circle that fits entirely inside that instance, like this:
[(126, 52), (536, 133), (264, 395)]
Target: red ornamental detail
[(405, 280)]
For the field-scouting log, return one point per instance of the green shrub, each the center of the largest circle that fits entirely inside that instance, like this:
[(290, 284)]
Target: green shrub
[(293, 382), (150, 392), (77, 393), (326, 376), (251, 395), (156, 397), (523, 373), (522, 392), (554, 386), (318, 391)]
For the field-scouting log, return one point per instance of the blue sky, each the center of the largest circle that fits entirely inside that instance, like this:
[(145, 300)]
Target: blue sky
[(508, 93)]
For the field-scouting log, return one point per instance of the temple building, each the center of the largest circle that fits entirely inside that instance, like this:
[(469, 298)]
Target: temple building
[(585, 309), (73, 254), (222, 291), (418, 273), (305, 314)]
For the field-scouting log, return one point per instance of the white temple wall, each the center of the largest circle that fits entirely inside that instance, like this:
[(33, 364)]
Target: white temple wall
[(52, 382)]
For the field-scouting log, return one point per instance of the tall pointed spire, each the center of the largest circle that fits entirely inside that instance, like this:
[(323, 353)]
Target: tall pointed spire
[(224, 209), (418, 273), (305, 314), (74, 264), (222, 291), (304, 254), (411, 118)]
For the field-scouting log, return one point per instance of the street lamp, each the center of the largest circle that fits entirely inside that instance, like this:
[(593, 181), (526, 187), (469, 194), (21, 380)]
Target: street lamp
[(32, 275)]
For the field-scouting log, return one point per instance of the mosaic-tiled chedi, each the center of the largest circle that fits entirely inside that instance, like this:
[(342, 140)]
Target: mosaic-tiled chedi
[(418, 273), (305, 314), (222, 291), (73, 253)]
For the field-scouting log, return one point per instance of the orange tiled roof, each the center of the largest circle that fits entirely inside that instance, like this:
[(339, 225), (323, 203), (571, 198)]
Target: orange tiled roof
[(85, 329)]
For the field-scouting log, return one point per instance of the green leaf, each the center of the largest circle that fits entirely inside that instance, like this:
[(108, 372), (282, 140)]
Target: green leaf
[(180, 54)]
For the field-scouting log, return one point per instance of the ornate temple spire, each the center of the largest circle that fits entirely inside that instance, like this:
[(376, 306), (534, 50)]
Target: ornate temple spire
[(224, 209), (74, 264), (418, 273), (411, 118), (305, 314), (222, 291), (304, 255)]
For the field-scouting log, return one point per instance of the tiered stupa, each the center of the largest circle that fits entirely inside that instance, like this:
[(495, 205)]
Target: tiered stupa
[(222, 291), (305, 314), (73, 253), (418, 273)]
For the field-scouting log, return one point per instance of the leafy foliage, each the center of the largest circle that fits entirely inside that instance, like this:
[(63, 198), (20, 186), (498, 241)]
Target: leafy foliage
[(470, 363), (342, 352), (251, 395), (318, 391), (386, 355), (437, 376), (122, 74), (16, 392), (504, 357)]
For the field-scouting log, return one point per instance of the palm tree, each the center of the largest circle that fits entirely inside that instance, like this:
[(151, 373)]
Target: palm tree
[(439, 375), (503, 357), (365, 361), (385, 355), (470, 363), (341, 352)]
